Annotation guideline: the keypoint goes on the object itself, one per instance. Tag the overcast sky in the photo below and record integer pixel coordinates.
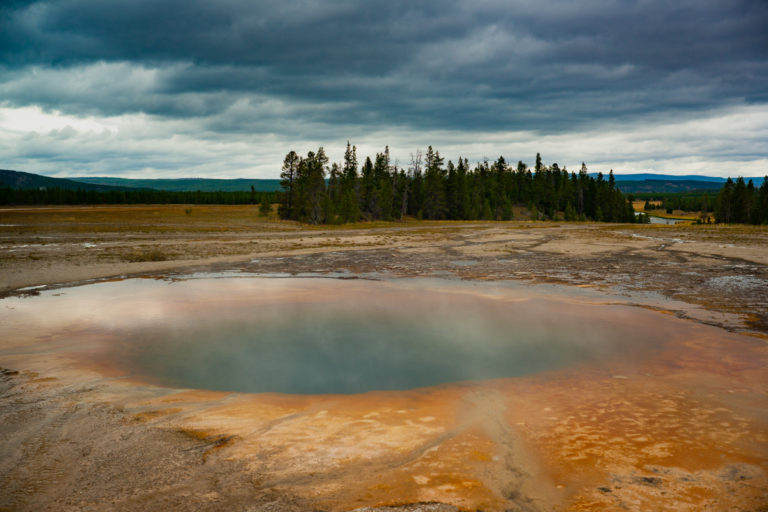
(181, 88)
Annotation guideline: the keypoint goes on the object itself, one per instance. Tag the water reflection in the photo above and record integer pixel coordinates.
(616, 397)
(316, 336)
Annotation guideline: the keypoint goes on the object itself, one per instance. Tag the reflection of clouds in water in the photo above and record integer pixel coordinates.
(327, 335)
(320, 335)
(135, 302)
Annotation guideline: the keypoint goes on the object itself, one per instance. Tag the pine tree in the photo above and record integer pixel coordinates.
(463, 193)
(334, 183)
(452, 192)
(724, 203)
(762, 202)
(582, 188)
(383, 184)
(368, 196)
(400, 200)
(498, 181)
(288, 178)
(265, 207)
(316, 193)
(741, 201)
(349, 210)
(416, 197)
(434, 190)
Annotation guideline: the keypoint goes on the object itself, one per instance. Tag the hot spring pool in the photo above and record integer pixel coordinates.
(351, 393)
(331, 336)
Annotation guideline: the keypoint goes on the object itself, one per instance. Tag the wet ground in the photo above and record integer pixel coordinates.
(722, 269)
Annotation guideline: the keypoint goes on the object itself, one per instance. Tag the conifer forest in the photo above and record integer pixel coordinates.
(430, 188)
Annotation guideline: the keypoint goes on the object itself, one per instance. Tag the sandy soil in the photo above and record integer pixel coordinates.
(140, 447)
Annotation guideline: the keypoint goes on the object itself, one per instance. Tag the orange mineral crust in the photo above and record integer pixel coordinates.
(676, 421)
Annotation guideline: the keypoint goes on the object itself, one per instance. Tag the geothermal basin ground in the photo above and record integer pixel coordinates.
(203, 358)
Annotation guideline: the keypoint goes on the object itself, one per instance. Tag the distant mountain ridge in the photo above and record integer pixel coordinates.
(628, 183)
(28, 180)
(667, 186)
(661, 177)
(187, 184)
(649, 183)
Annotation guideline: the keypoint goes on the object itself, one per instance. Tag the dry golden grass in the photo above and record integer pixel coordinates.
(639, 206)
(676, 214)
(141, 218)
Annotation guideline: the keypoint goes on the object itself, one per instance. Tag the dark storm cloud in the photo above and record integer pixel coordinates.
(473, 65)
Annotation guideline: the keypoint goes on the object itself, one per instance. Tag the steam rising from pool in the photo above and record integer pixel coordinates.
(317, 336)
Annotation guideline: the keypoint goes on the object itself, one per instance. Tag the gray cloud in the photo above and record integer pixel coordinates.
(474, 64)
(307, 70)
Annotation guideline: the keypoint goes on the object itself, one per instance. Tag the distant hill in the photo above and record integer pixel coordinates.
(667, 183)
(667, 186)
(27, 180)
(187, 184)
(628, 183)
(662, 177)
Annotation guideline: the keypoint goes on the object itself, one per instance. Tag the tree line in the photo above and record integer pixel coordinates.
(743, 203)
(691, 201)
(40, 196)
(315, 192)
